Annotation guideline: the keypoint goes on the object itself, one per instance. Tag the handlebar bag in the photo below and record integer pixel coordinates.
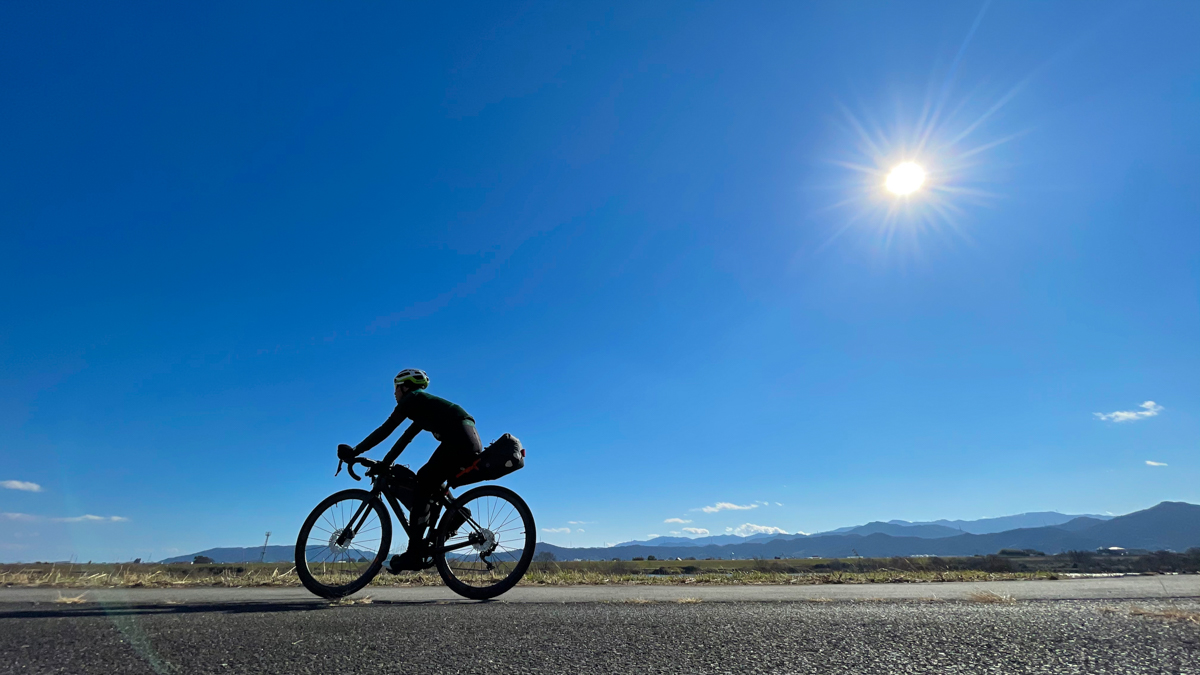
(500, 458)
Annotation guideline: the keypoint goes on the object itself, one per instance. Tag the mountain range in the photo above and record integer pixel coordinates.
(1169, 525)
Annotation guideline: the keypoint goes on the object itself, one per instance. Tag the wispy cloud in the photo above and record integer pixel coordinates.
(778, 504)
(1150, 463)
(747, 529)
(581, 522)
(726, 506)
(557, 530)
(579, 529)
(18, 516)
(698, 531)
(680, 521)
(87, 518)
(652, 536)
(20, 485)
(1148, 409)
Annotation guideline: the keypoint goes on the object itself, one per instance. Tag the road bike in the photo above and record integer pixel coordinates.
(482, 545)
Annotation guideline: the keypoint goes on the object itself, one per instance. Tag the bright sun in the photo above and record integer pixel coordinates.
(905, 179)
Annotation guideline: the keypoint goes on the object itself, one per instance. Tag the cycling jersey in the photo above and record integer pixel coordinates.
(427, 412)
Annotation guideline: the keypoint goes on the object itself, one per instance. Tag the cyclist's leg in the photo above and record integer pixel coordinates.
(446, 462)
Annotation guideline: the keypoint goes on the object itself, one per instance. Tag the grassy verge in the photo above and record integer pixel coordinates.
(541, 574)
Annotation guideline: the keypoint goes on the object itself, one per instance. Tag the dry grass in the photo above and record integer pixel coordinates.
(1171, 614)
(990, 597)
(69, 600)
(689, 601)
(284, 575)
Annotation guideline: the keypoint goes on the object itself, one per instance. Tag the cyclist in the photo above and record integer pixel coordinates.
(460, 447)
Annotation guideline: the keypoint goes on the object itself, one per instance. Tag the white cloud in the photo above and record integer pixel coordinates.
(726, 506)
(18, 516)
(747, 529)
(698, 531)
(20, 485)
(674, 532)
(580, 522)
(579, 530)
(1148, 409)
(651, 536)
(557, 530)
(1149, 463)
(729, 529)
(778, 504)
(87, 518)
(681, 521)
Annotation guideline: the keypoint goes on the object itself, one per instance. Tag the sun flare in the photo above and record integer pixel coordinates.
(905, 179)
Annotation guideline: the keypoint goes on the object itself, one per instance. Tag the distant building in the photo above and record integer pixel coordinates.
(1117, 550)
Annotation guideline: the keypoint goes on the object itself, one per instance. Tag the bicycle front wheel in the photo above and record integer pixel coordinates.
(489, 552)
(343, 543)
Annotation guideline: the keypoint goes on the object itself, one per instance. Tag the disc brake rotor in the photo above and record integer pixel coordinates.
(483, 541)
(343, 547)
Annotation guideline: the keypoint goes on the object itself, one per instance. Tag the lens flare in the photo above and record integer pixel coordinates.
(905, 179)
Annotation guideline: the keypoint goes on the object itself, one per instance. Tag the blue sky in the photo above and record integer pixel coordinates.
(651, 241)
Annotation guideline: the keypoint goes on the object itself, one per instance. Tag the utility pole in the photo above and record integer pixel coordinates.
(263, 557)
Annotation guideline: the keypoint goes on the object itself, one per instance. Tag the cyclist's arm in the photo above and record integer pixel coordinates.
(375, 437)
(401, 443)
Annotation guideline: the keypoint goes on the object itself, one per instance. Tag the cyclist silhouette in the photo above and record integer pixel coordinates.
(460, 447)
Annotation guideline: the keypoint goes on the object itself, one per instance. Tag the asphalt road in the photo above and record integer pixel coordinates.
(280, 634)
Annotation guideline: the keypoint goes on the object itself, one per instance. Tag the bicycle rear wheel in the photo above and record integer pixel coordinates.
(335, 557)
(492, 550)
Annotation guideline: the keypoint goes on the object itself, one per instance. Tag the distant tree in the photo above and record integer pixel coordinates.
(638, 557)
(544, 556)
(202, 560)
(137, 561)
(650, 557)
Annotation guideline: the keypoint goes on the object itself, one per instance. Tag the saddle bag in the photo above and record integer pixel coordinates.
(500, 458)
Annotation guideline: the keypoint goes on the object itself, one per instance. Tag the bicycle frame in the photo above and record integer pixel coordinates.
(378, 489)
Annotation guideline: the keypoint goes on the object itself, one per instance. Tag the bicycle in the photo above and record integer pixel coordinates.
(334, 558)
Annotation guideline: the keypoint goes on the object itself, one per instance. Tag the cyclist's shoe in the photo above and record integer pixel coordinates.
(456, 519)
(415, 559)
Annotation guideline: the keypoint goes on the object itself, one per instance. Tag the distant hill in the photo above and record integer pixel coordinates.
(720, 540)
(1079, 524)
(980, 526)
(1169, 525)
(1005, 523)
(910, 530)
(237, 555)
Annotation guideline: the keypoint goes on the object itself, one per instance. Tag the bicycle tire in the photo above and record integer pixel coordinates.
(519, 567)
(303, 545)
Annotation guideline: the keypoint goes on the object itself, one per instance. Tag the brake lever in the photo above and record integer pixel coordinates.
(339, 470)
(350, 468)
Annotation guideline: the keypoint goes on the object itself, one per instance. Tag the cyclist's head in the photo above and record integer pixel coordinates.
(410, 379)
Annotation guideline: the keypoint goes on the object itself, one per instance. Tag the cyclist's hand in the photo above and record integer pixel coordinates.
(346, 452)
(376, 470)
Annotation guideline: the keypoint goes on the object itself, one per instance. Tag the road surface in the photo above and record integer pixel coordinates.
(1081, 626)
